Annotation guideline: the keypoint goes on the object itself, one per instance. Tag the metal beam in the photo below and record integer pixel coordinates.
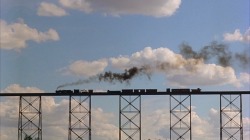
(79, 118)
(120, 93)
(231, 126)
(180, 117)
(130, 117)
(30, 118)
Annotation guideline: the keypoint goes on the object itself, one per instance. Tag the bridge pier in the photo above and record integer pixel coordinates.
(30, 117)
(180, 117)
(79, 117)
(231, 126)
(130, 117)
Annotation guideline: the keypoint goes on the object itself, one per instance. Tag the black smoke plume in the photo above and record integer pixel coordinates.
(112, 77)
(129, 74)
(214, 51)
(79, 82)
(218, 52)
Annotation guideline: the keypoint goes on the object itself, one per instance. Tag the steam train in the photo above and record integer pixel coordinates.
(131, 91)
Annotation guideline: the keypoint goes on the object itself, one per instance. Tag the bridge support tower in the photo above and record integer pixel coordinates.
(79, 117)
(180, 117)
(130, 117)
(30, 118)
(231, 126)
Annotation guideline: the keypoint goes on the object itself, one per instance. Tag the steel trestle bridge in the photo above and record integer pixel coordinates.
(30, 113)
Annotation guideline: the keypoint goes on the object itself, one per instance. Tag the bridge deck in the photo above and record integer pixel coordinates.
(113, 93)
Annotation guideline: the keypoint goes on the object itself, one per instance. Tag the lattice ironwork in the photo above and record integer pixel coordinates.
(79, 118)
(30, 118)
(180, 117)
(231, 126)
(130, 117)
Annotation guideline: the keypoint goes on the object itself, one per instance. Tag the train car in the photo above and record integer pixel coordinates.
(168, 90)
(76, 91)
(198, 90)
(64, 91)
(127, 91)
(183, 90)
(151, 91)
(80, 91)
(139, 90)
(83, 91)
(113, 92)
(91, 91)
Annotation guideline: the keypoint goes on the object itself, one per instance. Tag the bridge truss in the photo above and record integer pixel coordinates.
(30, 118)
(30, 114)
(79, 118)
(231, 126)
(180, 117)
(130, 117)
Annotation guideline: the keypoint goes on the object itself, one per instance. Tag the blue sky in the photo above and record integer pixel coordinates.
(48, 43)
(93, 36)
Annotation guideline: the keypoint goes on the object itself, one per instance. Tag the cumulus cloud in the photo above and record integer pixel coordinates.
(177, 69)
(244, 78)
(50, 9)
(208, 132)
(15, 35)
(156, 8)
(16, 88)
(156, 124)
(238, 36)
(246, 127)
(82, 5)
(86, 68)
(103, 126)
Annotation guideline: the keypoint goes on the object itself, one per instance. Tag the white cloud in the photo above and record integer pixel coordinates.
(238, 36)
(246, 127)
(16, 88)
(156, 124)
(86, 68)
(178, 70)
(103, 125)
(50, 9)
(156, 8)
(15, 35)
(206, 74)
(244, 78)
(82, 5)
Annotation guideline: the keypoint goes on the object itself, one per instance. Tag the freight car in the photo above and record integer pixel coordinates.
(64, 91)
(75, 91)
(187, 90)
